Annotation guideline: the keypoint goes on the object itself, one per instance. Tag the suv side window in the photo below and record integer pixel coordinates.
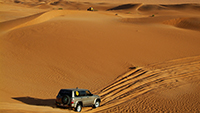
(65, 92)
(88, 93)
(82, 93)
(79, 93)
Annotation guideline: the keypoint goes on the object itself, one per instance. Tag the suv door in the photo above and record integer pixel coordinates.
(84, 98)
(90, 97)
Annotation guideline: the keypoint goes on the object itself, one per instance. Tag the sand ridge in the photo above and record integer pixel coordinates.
(125, 8)
(139, 81)
(187, 23)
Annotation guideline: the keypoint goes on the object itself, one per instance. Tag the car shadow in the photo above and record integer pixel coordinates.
(43, 102)
(36, 101)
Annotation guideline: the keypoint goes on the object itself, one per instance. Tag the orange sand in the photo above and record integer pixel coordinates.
(141, 56)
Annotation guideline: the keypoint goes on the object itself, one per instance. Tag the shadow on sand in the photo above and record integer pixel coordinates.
(36, 101)
(124, 6)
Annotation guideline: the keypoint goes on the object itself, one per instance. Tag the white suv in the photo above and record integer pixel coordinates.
(77, 98)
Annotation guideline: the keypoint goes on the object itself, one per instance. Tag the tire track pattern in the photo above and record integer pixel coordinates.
(142, 80)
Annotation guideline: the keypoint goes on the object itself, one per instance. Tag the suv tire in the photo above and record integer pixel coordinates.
(78, 108)
(97, 104)
(66, 99)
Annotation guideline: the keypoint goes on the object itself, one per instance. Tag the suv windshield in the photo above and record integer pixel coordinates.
(65, 92)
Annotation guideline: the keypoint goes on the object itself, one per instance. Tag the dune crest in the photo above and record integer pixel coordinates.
(35, 19)
(8, 25)
(42, 18)
(125, 6)
(186, 23)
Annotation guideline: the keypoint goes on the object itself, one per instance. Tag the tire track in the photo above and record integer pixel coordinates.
(139, 81)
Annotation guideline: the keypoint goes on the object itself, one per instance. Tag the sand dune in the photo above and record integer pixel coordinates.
(187, 23)
(8, 25)
(125, 6)
(138, 56)
(183, 7)
(140, 81)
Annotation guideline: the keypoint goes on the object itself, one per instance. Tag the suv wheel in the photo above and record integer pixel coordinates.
(97, 104)
(78, 108)
(66, 99)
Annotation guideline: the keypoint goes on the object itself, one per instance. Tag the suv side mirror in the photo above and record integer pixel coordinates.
(90, 94)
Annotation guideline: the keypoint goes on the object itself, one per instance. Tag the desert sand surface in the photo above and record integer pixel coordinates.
(138, 55)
